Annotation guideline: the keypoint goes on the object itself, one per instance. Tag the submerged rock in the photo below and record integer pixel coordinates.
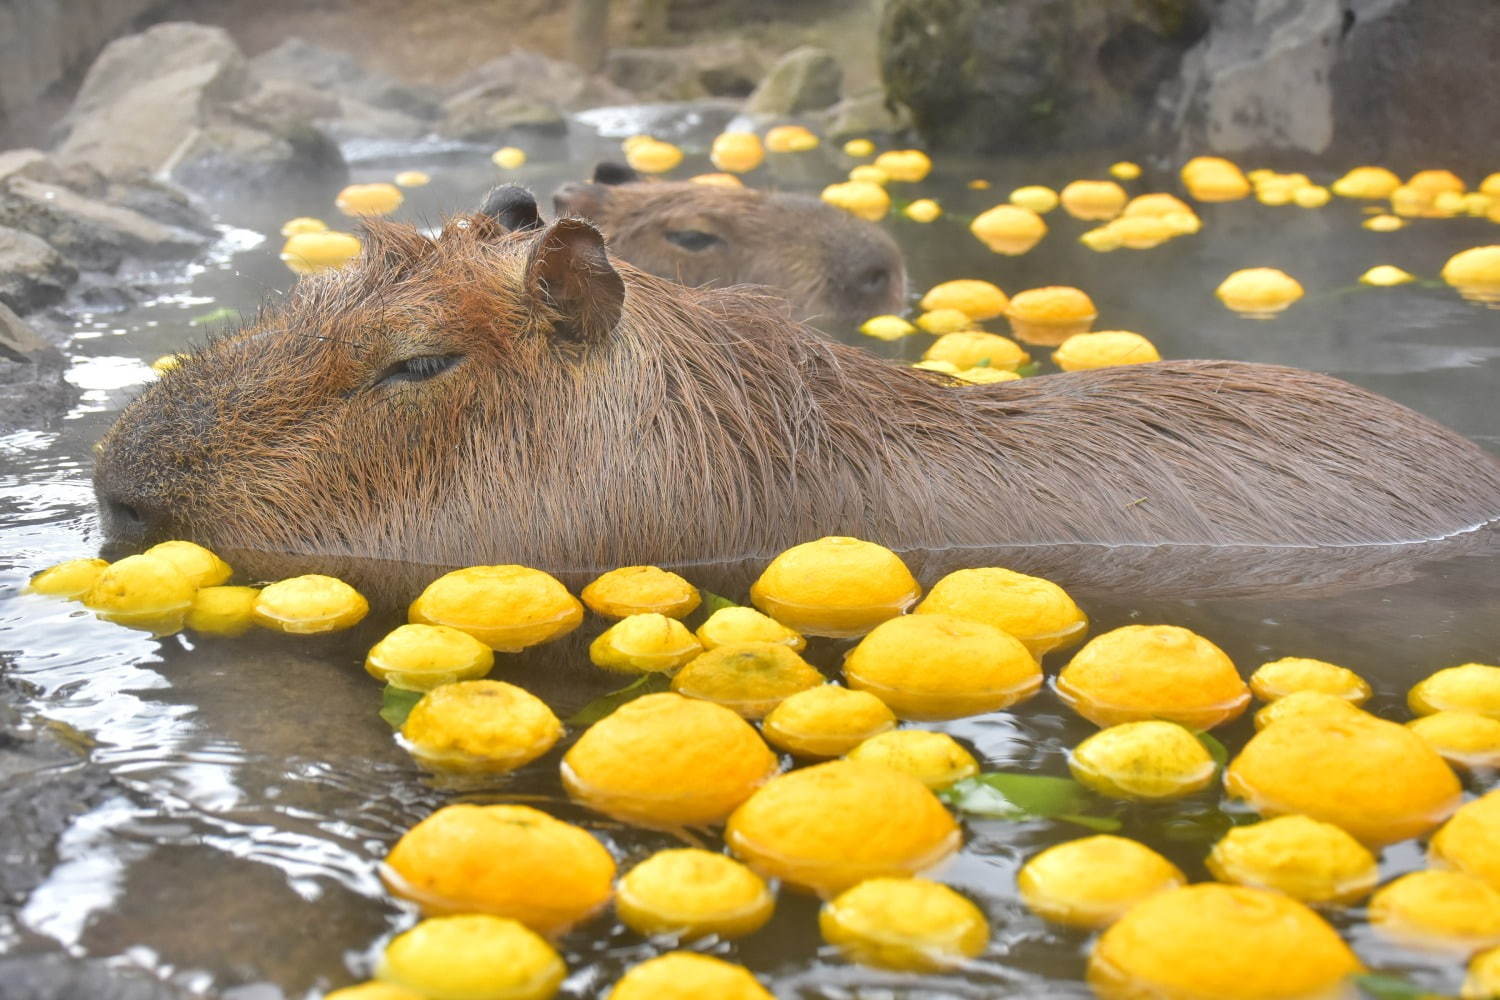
(92, 233)
(806, 79)
(32, 273)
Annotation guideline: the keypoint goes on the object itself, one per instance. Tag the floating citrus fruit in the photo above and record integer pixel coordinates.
(1009, 229)
(908, 924)
(303, 224)
(1104, 349)
(1291, 674)
(1141, 672)
(479, 727)
(1470, 841)
(1050, 315)
(908, 165)
(1152, 759)
(790, 139)
(1475, 272)
(835, 586)
(750, 678)
(1265, 946)
(686, 975)
(923, 210)
(511, 157)
(859, 147)
(473, 956)
(644, 644)
(637, 590)
(826, 721)
(1483, 980)
(1035, 197)
(975, 348)
(310, 605)
(412, 178)
(887, 328)
(374, 990)
(1366, 182)
(506, 860)
(505, 607)
(737, 152)
(1463, 739)
(198, 564)
(1305, 704)
(223, 611)
(309, 253)
(1212, 178)
(1385, 276)
(73, 578)
(737, 624)
(1472, 687)
(1307, 859)
(421, 657)
(974, 298)
(936, 666)
(1438, 910)
(692, 893)
(1376, 779)
(664, 760)
(827, 827)
(1259, 291)
(1090, 882)
(369, 199)
(143, 592)
(1036, 611)
(861, 198)
(1124, 170)
(937, 760)
(1093, 199)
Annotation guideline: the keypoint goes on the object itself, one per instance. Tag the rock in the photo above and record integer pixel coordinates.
(162, 201)
(339, 75)
(521, 90)
(177, 99)
(18, 342)
(864, 114)
(1395, 103)
(36, 165)
(282, 105)
(805, 79)
(32, 274)
(358, 120)
(1259, 80)
(688, 72)
(91, 233)
(985, 76)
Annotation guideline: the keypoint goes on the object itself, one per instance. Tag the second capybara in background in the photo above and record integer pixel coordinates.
(836, 270)
(511, 394)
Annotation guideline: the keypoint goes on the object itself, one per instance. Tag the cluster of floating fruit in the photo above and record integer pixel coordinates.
(497, 883)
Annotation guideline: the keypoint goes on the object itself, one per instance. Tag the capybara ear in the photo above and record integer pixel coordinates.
(610, 172)
(513, 207)
(584, 200)
(569, 272)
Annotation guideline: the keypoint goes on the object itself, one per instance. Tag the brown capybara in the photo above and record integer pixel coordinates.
(520, 397)
(836, 270)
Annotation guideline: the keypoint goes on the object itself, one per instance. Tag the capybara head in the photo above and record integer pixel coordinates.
(510, 393)
(836, 270)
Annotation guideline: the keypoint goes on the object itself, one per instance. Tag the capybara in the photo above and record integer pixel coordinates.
(494, 396)
(836, 270)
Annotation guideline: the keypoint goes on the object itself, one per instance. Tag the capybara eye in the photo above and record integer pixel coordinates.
(692, 239)
(874, 280)
(418, 369)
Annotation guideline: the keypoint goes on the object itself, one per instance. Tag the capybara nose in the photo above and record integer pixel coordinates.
(122, 522)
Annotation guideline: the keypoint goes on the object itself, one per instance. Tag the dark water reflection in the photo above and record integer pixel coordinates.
(255, 789)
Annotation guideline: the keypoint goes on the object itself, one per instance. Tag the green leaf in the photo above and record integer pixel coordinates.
(223, 314)
(601, 706)
(1384, 986)
(1029, 369)
(1218, 751)
(1099, 824)
(396, 704)
(713, 602)
(1018, 796)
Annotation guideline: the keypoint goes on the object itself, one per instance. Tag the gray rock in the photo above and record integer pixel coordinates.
(228, 160)
(357, 120)
(338, 74)
(93, 234)
(32, 274)
(521, 90)
(986, 76)
(805, 79)
(688, 72)
(864, 114)
(281, 105)
(36, 165)
(1260, 80)
(162, 201)
(19, 342)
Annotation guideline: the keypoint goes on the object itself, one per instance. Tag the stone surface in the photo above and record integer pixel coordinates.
(32, 274)
(805, 79)
(991, 76)
(92, 234)
(339, 75)
(688, 72)
(862, 115)
(521, 90)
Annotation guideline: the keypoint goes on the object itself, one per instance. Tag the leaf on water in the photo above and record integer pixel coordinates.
(999, 795)
(1029, 369)
(223, 314)
(396, 704)
(1384, 986)
(1218, 751)
(652, 683)
(713, 602)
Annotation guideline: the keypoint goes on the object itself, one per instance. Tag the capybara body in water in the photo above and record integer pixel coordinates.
(836, 270)
(494, 397)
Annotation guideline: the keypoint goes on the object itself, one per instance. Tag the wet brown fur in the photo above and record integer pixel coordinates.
(708, 426)
(822, 259)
